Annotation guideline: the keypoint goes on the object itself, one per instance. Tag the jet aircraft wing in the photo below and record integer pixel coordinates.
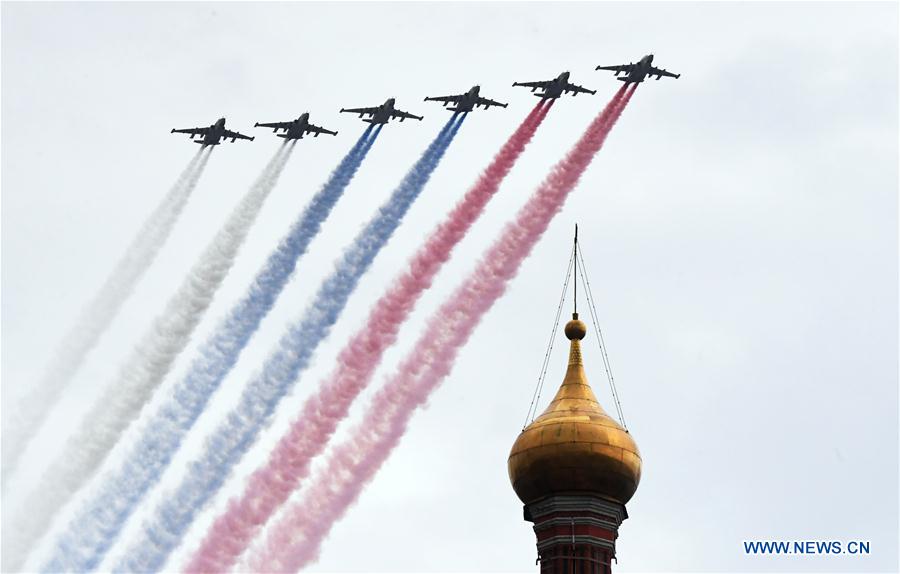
(486, 102)
(452, 99)
(617, 69)
(318, 130)
(369, 111)
(235, 135)
(534, 85)
(404, 115)
(192, 131)
(575, 89)
(659, 73)
(275, 126)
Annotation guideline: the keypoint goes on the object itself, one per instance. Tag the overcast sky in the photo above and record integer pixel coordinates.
(740, 230)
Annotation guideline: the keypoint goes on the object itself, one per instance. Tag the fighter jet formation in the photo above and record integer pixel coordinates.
(213, 134)
(457, 103)
(296, 129)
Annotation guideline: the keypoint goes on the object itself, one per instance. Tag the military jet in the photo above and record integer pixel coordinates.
(465, 102)
(636, 73)
(382, 114)
(556, 87)
(213, 134)
(296, 129)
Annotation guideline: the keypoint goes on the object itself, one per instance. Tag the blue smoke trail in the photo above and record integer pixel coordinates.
(88, 536)
(228, 443)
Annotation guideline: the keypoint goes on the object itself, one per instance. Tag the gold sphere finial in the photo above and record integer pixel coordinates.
(576, 329)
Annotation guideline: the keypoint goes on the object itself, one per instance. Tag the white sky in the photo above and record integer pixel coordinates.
(740, 229)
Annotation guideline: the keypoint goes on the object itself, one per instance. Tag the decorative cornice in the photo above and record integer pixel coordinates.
(579, 503)
(542, 525)
(580, 540)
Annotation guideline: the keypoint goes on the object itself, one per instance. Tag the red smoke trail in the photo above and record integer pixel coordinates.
(294, 540)
(270, 486)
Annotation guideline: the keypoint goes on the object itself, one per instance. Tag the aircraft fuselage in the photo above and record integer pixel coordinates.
(383, 114)
(640, 71)
(297, 127)
(556, 88)
(467, 104)
(215, 133)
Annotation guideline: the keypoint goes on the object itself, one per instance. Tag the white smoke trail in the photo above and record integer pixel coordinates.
(121, 401)
(21, 423)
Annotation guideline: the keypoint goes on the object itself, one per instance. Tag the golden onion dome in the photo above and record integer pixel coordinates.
(574, 446)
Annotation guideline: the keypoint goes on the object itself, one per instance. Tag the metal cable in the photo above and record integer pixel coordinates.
(606, 364)
(536, 396)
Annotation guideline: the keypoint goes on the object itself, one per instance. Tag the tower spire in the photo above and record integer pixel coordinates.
(575, 291)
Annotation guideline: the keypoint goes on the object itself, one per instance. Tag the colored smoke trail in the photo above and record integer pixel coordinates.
(121, 401)
(270, 486)
(230, 441)
(294, 540)
(91, 533)
(22, 422)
